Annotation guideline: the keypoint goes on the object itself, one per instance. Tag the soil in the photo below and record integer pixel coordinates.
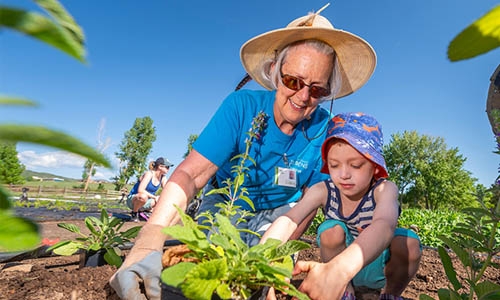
(59, 277)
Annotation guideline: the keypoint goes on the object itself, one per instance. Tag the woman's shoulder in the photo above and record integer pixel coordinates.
(251, 97)
(148, 173)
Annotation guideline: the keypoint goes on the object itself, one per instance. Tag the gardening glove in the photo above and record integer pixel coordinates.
(143, 262)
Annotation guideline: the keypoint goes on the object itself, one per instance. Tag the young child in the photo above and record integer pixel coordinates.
(359, 242)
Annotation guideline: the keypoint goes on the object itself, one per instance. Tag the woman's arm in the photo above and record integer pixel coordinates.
(187, 179)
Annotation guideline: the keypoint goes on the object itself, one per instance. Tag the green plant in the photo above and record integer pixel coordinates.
(431, 223)
(104, 235)
(223, 263)
(474, 242)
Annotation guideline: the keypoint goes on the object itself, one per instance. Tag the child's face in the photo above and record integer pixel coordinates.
(351, 172)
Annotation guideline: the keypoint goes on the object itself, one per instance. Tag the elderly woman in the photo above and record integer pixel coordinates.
(301, 65)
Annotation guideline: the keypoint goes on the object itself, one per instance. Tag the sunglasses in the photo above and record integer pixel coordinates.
(296, 84)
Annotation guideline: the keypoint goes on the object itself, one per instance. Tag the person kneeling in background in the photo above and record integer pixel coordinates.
(143, 194)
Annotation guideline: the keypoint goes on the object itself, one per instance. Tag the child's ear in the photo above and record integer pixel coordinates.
(377, 170)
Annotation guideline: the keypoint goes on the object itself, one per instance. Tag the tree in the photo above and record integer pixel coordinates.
(10, 167)
(427, 173)
(191, 139)
(89, 168)
(134, 150)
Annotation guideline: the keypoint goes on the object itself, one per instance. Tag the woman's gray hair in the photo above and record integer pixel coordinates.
(274, 76)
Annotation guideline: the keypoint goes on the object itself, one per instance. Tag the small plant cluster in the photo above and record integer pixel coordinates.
(219, 261)
(104, 234)
(474, 242)
(431, 224)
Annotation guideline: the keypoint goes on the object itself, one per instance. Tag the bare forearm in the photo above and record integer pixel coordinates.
(189, 177)
(281, 229)
(175, 194)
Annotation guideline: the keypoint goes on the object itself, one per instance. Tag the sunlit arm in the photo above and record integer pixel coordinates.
(375, 238)
(187, 179)
(284, 226)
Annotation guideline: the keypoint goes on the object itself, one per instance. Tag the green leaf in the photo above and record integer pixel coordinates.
(112, 258)
(459, 251)
(224, 291)
(248, 201)
(52, 138)
(90, 222)
(104, 217)
(289, 248)
(444, 294)
(114, 222)
(9, 100)
(66, 248)
(188, 233)
(467, 232)
(448, 268)
(131, 232)
(175, 274)
(17, 233)
(225, 227)
(43, 29)
(4, 199)
(63, 18)
(487, 290)
(480, 37)
(204, 278)
(69, 227)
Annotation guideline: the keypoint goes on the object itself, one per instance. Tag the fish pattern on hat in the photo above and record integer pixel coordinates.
(361, 131)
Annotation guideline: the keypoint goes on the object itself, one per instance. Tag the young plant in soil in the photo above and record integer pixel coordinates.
(217, 260)
(105, 236)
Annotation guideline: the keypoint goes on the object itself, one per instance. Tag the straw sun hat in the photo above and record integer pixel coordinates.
(356, 57)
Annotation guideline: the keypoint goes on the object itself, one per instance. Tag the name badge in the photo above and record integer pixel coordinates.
(285, 177)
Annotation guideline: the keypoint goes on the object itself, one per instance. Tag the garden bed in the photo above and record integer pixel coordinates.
(60, 278)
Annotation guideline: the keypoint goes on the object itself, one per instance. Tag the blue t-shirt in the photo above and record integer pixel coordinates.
(225, 135)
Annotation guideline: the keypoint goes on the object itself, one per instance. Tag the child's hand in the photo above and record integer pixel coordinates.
(323, 281)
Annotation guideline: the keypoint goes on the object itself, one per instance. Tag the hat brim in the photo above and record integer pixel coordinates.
(357, 59)
(382, 172)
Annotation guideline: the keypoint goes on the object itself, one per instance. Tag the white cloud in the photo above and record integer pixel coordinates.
(63, 163)
(56, 159)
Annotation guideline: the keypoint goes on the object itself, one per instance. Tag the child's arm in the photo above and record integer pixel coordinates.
(332, 277)
(283, 227)
(374, 239)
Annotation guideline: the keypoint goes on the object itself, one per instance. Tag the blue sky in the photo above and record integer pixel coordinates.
(175, 61)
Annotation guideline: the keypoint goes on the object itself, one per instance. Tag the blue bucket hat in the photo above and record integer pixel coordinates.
(362, 132)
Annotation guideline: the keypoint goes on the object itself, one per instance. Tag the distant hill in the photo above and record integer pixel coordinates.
(28, 174)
